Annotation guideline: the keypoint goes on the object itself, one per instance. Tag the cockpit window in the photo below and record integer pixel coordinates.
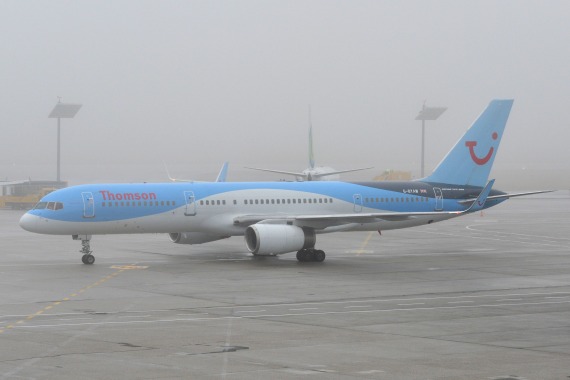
(40, 206)
(54, 206)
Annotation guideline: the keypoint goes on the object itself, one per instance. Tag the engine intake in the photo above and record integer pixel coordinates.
(275, 239)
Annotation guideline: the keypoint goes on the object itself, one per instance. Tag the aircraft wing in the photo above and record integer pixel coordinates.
(339, 172)
(331, 220)
(298, 174)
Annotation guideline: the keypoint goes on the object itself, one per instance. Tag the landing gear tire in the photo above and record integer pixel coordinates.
(319, 256)
(310, 254)
(88, 259)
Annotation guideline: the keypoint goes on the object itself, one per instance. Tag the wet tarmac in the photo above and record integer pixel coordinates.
(478, 297)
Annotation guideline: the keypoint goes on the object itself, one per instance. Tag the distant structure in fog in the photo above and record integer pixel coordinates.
(394, 175)
(62, 111)
(427, 113)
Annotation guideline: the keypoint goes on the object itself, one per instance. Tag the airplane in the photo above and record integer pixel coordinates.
(281, 217)
(313, 172)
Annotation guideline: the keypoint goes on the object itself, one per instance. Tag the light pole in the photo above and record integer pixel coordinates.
(428, 113)
(62, 111)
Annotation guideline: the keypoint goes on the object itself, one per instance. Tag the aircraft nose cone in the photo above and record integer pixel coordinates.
(29, 222)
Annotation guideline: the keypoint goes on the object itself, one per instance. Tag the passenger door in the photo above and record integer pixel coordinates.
(357, 202)
(190, 200)
(438, 199)
(88, 204)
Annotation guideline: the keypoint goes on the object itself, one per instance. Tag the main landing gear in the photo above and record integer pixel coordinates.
(311, 254)
(87, 257)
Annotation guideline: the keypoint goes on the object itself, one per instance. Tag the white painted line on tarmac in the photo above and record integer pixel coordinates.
(290, 315)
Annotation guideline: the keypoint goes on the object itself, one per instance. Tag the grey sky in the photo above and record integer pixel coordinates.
(196, 83)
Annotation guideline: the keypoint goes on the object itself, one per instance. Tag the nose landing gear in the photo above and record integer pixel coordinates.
(87, 257)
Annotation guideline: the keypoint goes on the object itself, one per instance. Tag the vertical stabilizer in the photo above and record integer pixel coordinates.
(471, 159)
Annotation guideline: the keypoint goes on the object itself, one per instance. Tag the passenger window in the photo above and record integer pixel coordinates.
(103, 204)
(162, 203)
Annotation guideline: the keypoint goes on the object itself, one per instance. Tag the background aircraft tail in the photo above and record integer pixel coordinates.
(471, 159)
(311, 153)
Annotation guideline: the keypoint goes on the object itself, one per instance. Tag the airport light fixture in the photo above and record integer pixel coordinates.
(428, 113)
(62, 111)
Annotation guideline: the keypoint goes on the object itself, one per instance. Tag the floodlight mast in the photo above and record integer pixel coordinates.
(427, 113)
(62, 111)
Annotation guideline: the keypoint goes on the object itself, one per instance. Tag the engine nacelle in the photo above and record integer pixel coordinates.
(274, 239)
(193, 237)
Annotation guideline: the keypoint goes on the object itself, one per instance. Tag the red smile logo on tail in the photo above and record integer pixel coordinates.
(477, 160)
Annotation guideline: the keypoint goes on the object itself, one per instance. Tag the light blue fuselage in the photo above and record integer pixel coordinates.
(214, 207)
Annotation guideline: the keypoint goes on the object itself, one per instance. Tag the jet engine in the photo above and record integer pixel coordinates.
(275, 239)
(194, 237)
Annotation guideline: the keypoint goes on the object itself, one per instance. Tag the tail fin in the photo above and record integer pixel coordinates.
(471, 159)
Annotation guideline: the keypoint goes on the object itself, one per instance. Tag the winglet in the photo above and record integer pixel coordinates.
(167, 172)
(479, 203)
(223, 173)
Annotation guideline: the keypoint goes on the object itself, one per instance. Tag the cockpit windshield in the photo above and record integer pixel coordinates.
(48, 205)
(40, 206)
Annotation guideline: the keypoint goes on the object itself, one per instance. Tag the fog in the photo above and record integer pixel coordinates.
(197, 83)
